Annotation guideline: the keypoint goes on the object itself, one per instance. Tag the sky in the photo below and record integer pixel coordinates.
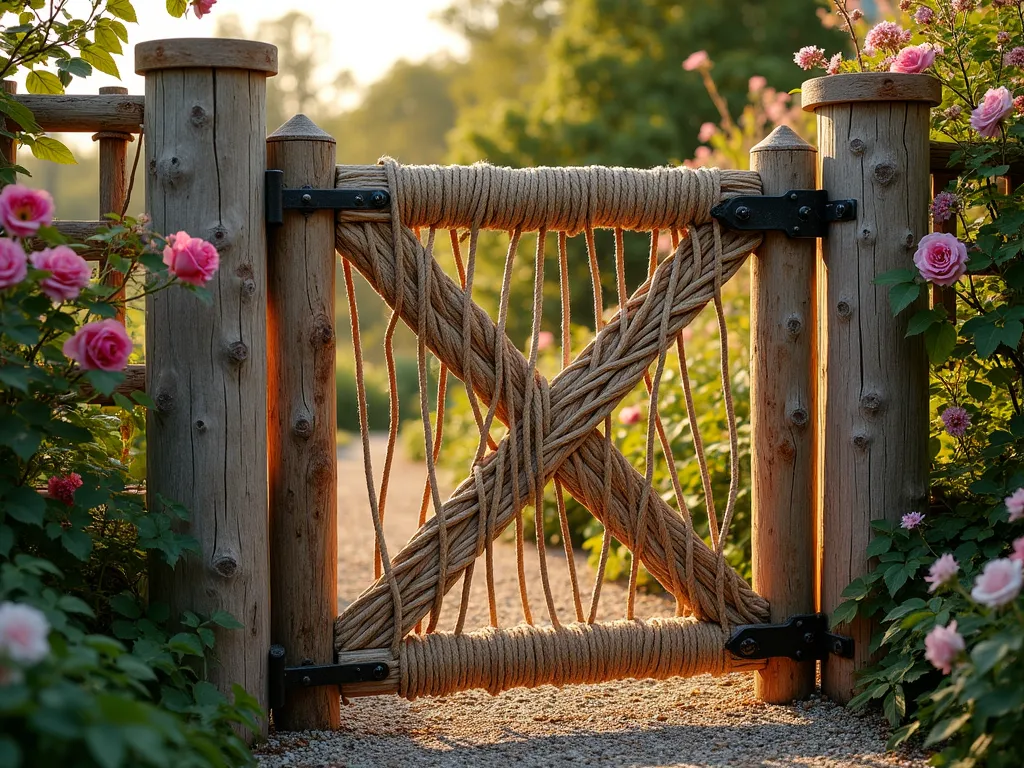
(367, 36)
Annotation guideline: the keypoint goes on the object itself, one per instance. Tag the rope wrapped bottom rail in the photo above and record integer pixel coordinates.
(527, 656)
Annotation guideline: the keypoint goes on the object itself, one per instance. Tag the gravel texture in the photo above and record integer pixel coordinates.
(703, 721)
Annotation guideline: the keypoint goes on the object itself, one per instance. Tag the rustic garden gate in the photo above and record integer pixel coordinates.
(245, 388)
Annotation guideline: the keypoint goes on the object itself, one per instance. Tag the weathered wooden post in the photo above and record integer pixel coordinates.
(872, 146)
(205, 119)
(113, 180)
(303, 423)
(783, 412)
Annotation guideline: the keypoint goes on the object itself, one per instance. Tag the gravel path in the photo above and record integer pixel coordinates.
(703, 721)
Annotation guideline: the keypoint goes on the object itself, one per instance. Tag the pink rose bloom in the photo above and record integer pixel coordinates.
(13, 262)
(956, 420)
(102, 345)
(996, 105)
(914, 59)
(1015, 504)
(941, 258)
(756, 84)
(23, 210)
(998, 584)
(809, 57)
(707, 130)
(202, 7)
(69, 272)
(942, 645)
(630, 414)
(911, 520)
(696, 61)
(190, 259)
(23, 633)
(942, 570)
(544, 340)
(1018, 550)
(62, 488)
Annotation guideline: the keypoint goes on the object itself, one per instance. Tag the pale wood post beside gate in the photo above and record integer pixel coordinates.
(872, 146)
(783, 412)
(205, 116)
(303, 424)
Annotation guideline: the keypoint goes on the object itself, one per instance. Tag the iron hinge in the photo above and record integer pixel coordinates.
(311, 675)
(308, 199)
(801, 638)
(798, 213)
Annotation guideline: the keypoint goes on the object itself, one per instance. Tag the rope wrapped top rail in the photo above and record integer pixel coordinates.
(568, 199)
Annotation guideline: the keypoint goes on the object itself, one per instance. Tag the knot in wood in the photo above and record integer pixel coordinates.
(200, 425)
(857, 146)
(225, 565)
(787, 451)
(164, 400)
(872, 404)
(884, 173)
(302, 426)
(861, 441)
(238, 351)
(909, 240)
(867, 235)
(794, 324)
(844, 310)
(323, 332)
(198, 116)
(798, 417)
(171, 170)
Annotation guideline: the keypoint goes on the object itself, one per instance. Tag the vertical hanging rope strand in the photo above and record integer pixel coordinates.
(650, 459)
(428, 447)
(606, 495)
(563, 518)
(533, 433)
(467, 324)
(364, 432)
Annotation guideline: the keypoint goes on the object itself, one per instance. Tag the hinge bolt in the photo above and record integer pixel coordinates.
(837, 647)
(743, 213)
(748, 647)
(804, 212)
(379, 672)
(840, 209)
(359, 200)
(306, 681)
(307, 199)
(808, 638)
(793, 196)
(378, 199)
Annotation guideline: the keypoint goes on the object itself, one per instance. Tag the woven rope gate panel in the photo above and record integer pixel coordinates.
(553, 426)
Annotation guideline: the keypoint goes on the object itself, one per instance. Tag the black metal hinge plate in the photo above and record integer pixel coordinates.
(802, 638)
(278, 199)
(798, 213)
(311, 675)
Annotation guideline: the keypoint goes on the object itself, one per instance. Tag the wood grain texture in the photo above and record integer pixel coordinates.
(874, 87)
(207, 364)
(113, 182)
(86, 113)
(783, 413)
(388, 685)
(302, 423)
(875, 403)
(205, 52)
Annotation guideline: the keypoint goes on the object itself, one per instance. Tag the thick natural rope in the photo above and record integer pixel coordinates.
(526, 657)
(578, 382)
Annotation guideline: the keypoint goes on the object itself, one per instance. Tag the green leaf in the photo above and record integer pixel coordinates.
(48, 148)
(75, 66)
(922, 321)
(986, 339)
(177, 8)
(72, 604)
(106, 745)
(879, 546)
(844, 612)
(186, 644)
(10, 752)
(895, 577)
(125, 604)
(225, 620)
(101, 59)
(979, 391)
(993, 170)
(940, 341)
(41, 81)
(19, 114)
(207, 695)
(77, 542)
(122, 9)
(104, 382)
(140, 397)
(25, 505)
(946, 728)
(902, 295)
(894, 276)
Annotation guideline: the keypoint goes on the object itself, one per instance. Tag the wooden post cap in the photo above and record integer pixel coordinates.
(301, 128)
(869, 86)
(205, 52)
(783, 138)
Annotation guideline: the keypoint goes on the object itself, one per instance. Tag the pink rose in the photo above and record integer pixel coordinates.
(24, 633)
(202, 7)
(1015, 504)
(942, 570)
(1018, 550)
(13, 262)
(630, 414)
(914, 59)
(941, 258)
(998, 584)
(996, 105)
(23, 210)
(62, 488)
(190, 259)
(942, 645)
(102, 345)
(696, 61)
(69, 272)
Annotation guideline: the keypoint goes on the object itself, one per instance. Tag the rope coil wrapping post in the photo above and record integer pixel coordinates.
(567, 411)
